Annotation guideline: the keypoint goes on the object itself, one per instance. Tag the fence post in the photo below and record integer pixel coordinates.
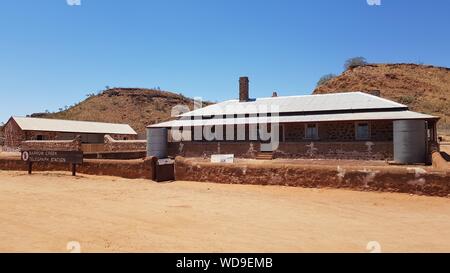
(74, 169)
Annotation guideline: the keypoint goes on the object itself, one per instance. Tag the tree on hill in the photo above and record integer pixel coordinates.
(355, 62)
(325, 78)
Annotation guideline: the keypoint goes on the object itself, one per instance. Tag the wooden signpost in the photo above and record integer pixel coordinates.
(65, 157)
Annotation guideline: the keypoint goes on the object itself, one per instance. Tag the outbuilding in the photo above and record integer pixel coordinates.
(19, 129)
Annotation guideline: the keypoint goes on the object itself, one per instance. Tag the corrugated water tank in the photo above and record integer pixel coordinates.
(410, 141)
(157, 142)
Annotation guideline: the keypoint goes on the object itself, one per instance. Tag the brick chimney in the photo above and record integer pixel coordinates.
(243, 89)
(274, 94)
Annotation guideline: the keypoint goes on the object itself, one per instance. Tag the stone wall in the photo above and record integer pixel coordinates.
(33, 135)
(206, 149)
(113, 145)
(51, 145)
(133, 169)
(294, 132)
(123, 137)
(116, 155)
(13, 134)
(382, 131)
(110, 145)
(414, 180)
(364, 150)
(339, 131)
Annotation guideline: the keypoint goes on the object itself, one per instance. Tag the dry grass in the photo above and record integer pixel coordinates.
(425, 89)
(134, 106)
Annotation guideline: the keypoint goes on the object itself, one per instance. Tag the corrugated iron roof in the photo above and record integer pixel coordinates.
(292, 104)
(364, 116)
(72, 126)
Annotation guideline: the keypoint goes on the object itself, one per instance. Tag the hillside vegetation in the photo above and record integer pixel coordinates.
(423, 88)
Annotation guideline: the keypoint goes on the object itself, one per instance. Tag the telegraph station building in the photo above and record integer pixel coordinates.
(353, 125)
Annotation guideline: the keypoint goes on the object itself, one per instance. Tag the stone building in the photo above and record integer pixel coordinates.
(19, 129)
(353, 125)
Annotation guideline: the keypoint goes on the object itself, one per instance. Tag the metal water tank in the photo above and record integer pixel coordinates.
(410, 141)
(157, 142)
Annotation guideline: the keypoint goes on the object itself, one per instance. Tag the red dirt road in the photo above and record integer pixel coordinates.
(43, 212)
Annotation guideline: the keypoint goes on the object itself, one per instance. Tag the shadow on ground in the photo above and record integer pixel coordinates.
(445, 156)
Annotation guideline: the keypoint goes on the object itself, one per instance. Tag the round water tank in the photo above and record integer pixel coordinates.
(410, 141)
(157, 142)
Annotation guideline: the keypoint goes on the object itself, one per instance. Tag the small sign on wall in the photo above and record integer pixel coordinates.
(165, 161)
(68, 157)
(222, 158)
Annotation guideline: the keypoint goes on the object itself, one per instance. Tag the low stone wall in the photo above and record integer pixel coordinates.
(116, 155)
(52, 145)
(113, 145)
(330, 150)
(206, 149)
(414, 180)
(9, 149)
(133, 169)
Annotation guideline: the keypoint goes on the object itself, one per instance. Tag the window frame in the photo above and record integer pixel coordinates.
(316, 136)
(369, 130)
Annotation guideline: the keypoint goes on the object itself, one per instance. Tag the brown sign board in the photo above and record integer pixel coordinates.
(164, 170)
(69, 157)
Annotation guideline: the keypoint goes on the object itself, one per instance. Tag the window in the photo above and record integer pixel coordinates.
(362, 130)
(311, 131)
(39, 137)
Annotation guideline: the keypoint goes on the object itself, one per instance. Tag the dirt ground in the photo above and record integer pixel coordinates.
(446, 148)
(43, 212)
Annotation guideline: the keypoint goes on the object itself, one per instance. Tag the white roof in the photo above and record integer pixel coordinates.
(364, 116)
(72, 126)
(295, 104)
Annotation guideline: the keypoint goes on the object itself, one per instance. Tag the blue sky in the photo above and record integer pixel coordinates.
(53, 54)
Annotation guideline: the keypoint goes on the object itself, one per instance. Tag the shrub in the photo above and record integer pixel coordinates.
(324, 79)
(355, 62)
(406, 99)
